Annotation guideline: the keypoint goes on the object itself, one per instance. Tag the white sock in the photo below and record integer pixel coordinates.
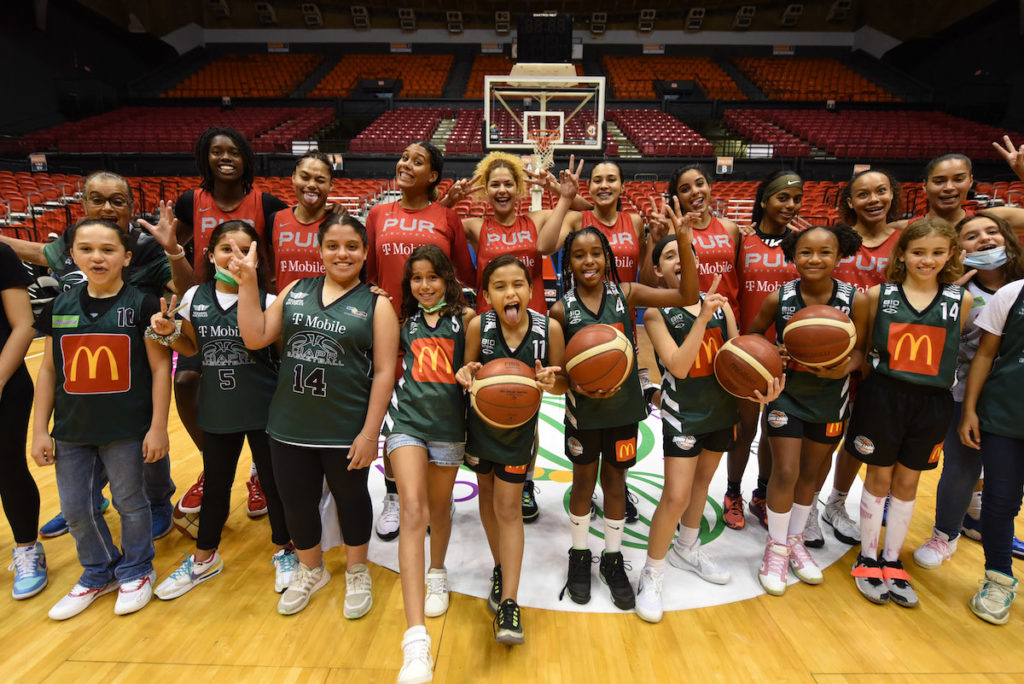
(974, 509)
(798, 518)
(417, 631)
(837, 498)
(613, 535)
(205, 562)
(579, 525)
(871, 508)
(778, 525)
(687, 536)
(252, 469)
(655, 563)
(896, 526)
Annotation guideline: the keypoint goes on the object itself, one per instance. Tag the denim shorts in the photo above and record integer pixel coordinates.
(438, 453)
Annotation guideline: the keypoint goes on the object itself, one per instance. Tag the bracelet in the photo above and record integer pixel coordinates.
(166, 340)
(174, 257)
(368, 439)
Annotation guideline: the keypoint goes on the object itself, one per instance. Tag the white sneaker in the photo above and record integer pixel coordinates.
(804, 567)
(935, 551)
(284, 562)
(77, 600)
(358, 591)
(417, 663)
(436, 602)
(845, 529)
(774, 567)
(305, 582)
(134, 595)
(648, 594)
(813, 537)
(188, 575)
(698, 561)
(387, 523)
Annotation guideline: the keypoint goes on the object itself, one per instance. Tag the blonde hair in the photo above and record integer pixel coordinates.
(501, 160)
(896, 271)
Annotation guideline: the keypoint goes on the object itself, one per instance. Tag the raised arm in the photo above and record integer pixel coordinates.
(258, 328)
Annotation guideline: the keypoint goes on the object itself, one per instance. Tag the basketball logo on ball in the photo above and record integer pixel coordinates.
(819, 336)
(505, 394)
(599, 358)
(747, 363)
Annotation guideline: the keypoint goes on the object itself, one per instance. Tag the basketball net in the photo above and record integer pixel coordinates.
(543, 153)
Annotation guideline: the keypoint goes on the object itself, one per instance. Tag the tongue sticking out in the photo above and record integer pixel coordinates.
(512, 313)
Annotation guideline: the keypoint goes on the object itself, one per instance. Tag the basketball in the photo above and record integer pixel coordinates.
(747, 363)
(504, 393)
(599, 358)
(819, 336)
(186, 523)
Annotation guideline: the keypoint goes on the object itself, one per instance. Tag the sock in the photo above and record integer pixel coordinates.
(687, 536)
(974, 509)
(837, 498)
(657, 564)
(814, 501)
(417, 631)
(896, 526)
(871, 508)
(579, 525)
(732, 488)
(762, 485)
(205, 562)
(252, 469)
(529, 474)
(613, 535)
(778, 525)
(390, 486)
(798, 519)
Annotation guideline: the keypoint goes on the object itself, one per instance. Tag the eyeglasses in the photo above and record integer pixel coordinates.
(116, 201)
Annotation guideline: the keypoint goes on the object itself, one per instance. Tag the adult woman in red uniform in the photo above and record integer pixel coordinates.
(294, 230)
(394, 230)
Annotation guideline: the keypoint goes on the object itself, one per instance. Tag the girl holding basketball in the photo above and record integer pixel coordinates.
(601, 427)
(234, 397)
(904, 406)
(501, 456)
(805, 423)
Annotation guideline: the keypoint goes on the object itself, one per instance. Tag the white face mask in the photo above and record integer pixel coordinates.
(986, 260)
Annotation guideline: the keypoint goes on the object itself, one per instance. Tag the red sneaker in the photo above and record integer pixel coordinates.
(257, 505)
(192, 502)
(759, 507)
(733, 512)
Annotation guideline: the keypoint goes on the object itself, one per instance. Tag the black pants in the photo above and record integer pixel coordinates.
(300, 473)
(17, 488)
(220, 460)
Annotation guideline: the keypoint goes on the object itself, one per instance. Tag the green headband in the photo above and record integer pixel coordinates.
(783, 182)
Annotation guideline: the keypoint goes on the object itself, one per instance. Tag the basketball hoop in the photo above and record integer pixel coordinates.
(543, 153)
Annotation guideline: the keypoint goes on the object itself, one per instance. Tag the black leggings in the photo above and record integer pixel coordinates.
(300, 473)
(220, 459)
(17, 488)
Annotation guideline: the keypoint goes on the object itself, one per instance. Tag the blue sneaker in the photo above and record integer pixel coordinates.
(971, 528)
(58, 525)
(29, 565)
(162, 523)
(1018, 548)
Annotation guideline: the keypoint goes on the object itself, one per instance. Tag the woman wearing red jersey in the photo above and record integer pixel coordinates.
(294, 230)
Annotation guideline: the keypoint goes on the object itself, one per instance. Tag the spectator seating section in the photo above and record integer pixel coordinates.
(421, 75)
(802, 79)
(392, 131)
(657, 134)
(491, 65)
(632, 77)
(756, 128)
(248, 76)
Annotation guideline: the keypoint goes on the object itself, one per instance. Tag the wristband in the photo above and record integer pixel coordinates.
(175, 257)
(166, 340)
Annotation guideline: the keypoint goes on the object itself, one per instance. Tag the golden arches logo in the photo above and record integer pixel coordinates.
(435, 353)
(704, 364)
(625, 450)
(93, 360)
(432, 360)
(96, 364)
(916, 342)
(915, 348)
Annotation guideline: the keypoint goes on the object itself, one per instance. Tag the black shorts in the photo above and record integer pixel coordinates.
(780, 424)
(189, 363)
(897, 422)
(617, 445)
(690, 446)
(508, 473)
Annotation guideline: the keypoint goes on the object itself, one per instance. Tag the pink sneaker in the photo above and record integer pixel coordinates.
(804, 567)
(772, 573)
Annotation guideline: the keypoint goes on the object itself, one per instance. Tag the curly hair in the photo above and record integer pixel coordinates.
(849, 216)
(202, 156)
(1013, 269)
(501, 160)
(442, 265)
(568, 279)
(846, 237)
(896, 271)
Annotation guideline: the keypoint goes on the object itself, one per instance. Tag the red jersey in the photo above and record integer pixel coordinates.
(206, 216)
(394, 232)
(296, 248)
(519, 240)
(623, 241)
(717, 253)
(867, 267)
(761, 270)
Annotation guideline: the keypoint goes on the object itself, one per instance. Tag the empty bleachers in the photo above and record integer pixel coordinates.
(421, 75)
(242, 76)
(632, 78)
(758, 129)
(806, 79)
(657, 134)
(392, 131)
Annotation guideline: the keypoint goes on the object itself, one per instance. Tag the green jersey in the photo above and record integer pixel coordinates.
(998, 411)
(625, 407)
(428, 402)
(323, 388)
(919, 347)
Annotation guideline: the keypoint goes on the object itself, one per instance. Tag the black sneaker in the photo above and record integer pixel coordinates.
(897, 581)
(530, 510)
(578, 582)
(508, 628)
(613, 573)
(494, 598)
(631, 501)
(867, 574)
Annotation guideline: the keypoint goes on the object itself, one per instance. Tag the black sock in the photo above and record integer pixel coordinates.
(762, 485)
(732, 488)
(390, 486)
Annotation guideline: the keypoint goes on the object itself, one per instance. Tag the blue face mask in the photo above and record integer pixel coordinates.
(986, 260)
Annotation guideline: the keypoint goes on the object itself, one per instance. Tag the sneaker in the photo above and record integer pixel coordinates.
(843, 527)
(58, 525)
(305, 582)
(508, 626)
(358, 591)
(436, 602)
(648, 594)
(387, 523)
(971, 527)
(188, 575)
(696, 560)
(812, 530)
(530, 510)
(285, 561)
(577, 581)
(192, 502)
(733, 512)
(256, 506)
(134, 595)
(935, 551)
(162, 522)
(897, 581)
(494, 598)
(631, 513)
(759, 507)
(774, 564)
(613, 573)
(804, 567)
(29, 566)
(77, 600)
(992, 602)
(1018, 548)
(867, 574)
(417, 663)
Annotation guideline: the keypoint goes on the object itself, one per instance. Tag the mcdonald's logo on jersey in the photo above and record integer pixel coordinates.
(834, 429)
(915, 348)
(704, 364)
(625, 450)
(432, 360)
(96, 364)
(936, 453)
(516, 469)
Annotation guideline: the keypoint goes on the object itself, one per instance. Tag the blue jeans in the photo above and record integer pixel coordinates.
(1004, 481)
(79, 469)
(156, 479)
(961, 468)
